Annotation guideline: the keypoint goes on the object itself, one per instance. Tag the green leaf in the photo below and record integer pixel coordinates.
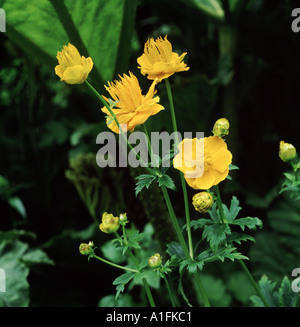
(121, 281)
(267, 289)
(166, 181)
(210, 7)
(200, 223)
(99, 24)
(175, 249)
(36, 256)
(288, 297)
(250, 222)
(216, 234)
(144, 180)
(233, 211)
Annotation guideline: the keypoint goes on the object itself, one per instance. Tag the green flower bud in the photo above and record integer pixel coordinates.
(123, 218)
(287, 151)
(155, 261)
(202, 201)
(110, 224)
(221, 127)
(85, 248)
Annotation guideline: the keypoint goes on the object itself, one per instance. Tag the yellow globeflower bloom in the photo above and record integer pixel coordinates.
(73, 68)
(110, 224)
(158, 60)
(287, 151)
(131, 107)
(204, 162)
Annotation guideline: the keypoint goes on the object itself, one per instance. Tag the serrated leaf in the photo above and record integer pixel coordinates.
(237, 237)
(234, 209)
(121, 281)
(216, 234)
(175, 249)
(200, 223)
(288, 297)
(144, 180)
(166, 181)
(250, 222)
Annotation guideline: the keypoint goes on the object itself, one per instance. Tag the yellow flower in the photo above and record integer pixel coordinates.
(221, 127)
(204, 162)
(155, 260)
(202, 201)
(158, 60)
(287, 151)
(110, 224)
(131, 108)
(73, 68)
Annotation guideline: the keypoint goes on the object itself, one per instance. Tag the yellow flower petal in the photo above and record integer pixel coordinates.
(72, 68)
(158, 61)
(131, 108)
(204, 162)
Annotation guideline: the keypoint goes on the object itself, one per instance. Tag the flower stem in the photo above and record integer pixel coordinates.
(175, 222)
(113, 264)
(201, 289)
(169, 291)
(220, 206)
(134, 259)
(253, 282)
(182, 180)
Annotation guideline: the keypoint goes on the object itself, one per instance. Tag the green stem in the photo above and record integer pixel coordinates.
(253, 282)
(182, 180)
(99, 97)
(113, 264)
(202, 290)
(220, 206)
(134, 259)
(169, 291)
(175, 222)
(148, 292)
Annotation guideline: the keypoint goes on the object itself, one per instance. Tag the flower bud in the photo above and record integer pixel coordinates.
(123, 217)
(221, 127)
(287, 151)
(202, 201)
(110, 224)
(155, 261)
(85, 248)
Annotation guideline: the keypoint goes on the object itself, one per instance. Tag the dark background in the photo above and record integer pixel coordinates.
(251, 78)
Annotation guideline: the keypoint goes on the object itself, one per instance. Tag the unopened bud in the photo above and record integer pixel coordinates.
(155, 261)
(110, 224)
(221, 127)
(123, 217)
(202, 201)
(86, 248)
(287, 151)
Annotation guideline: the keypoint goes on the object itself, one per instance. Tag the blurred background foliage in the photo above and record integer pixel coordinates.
(244, 66)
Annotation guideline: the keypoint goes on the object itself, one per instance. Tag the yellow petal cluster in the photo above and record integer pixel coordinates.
(287, 151)
(159, 61)
(202, 201)
(110, 224)
(204, 162)
(73, 68)
(131, 107)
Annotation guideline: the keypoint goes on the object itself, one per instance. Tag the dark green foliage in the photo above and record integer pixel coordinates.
(244, 65)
